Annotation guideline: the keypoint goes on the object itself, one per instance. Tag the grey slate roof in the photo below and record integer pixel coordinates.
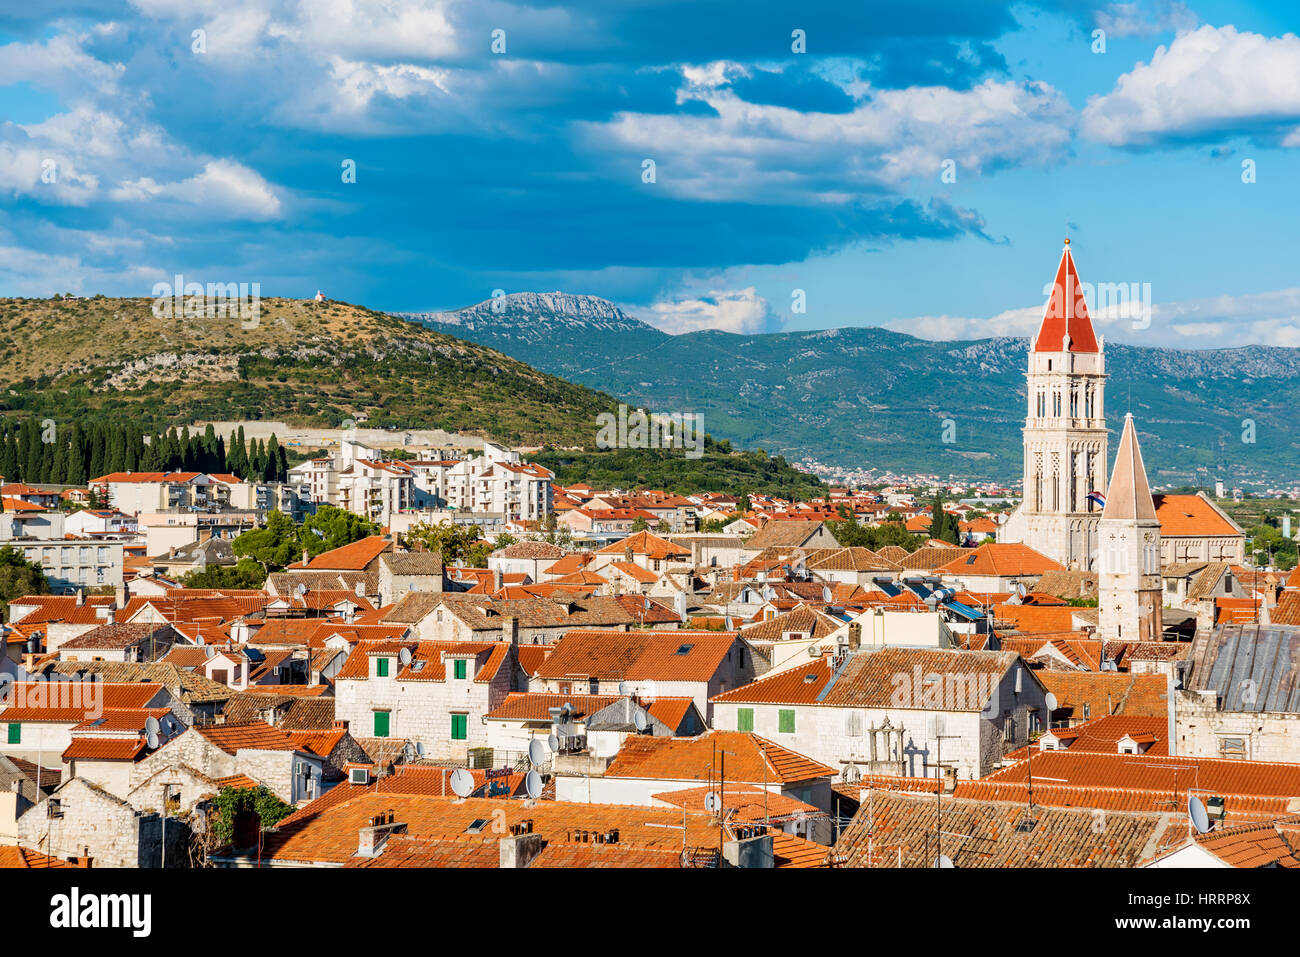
(1250, 667)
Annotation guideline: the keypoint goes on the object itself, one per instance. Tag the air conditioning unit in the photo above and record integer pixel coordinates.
(359, 776)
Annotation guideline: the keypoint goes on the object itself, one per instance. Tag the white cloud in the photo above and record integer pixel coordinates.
(1130, 20)
(740, 311)
(1214, 80)
(753, 150)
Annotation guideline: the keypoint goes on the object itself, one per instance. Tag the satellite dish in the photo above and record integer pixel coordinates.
(152, 739)
(404, 656)
(711, 801)
(1051, 701)
(419, 749)
(826, 594)
(408, 751)
(553, 742)
(1196, 811)
(533, 784)
(624, 688)
(639, 720)
(536, 752)
(302, 588)
(151, 724)
(943, 860)
(198, 640)
(462, 783)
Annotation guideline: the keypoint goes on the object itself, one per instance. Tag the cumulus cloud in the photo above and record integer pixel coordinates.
(739, 311)
(742, 149)
(1210, 82)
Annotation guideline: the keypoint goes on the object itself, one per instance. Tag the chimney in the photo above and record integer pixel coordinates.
(518, 850)
(81, 597)
(855, 635)
(305, 559)
(510, 629)
(1205, 616)
(371, 839)
(340, 725)
(121, 594)
(205, 533)
(696, 553)
(679, 605)
(496, 580)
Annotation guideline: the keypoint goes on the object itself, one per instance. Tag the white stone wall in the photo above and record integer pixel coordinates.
(1200, 727)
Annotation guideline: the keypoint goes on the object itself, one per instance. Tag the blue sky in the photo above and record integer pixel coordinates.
(134, 147)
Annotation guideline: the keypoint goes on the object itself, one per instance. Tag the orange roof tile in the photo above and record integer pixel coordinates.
(752, 759)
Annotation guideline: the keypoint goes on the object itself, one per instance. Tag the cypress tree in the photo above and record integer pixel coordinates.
(95, 440)
(76, 470)
(271, 468)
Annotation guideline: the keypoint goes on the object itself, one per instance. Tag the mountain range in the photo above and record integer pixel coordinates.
(865, 397)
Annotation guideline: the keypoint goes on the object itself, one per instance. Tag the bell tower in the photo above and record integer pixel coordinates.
(1129, 595)
(1065, 430)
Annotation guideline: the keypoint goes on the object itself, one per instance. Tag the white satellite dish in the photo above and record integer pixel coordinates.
(198, 640)
(302, 588)
(151, 724)
(553, 742)
(152, 739)
(624, 688)
(638, 719)
(826, 594)
(1196, 811)
(462, 783)
(536, 752)
(712, 801)
(404, 656)
(533, 785)
(419, 749)
(1051, 701)
(943, 860)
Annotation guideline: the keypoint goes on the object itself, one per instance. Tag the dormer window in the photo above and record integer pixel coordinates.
(381, 667)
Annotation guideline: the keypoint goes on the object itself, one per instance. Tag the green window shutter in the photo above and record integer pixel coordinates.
(381, 724)
(459, 727)
(786, 718)
(381, 667)
(460, 667)
(15, 734)
(744, 719)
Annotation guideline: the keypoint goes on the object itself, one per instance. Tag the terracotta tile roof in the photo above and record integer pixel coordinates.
(118, 635)
(744, 804)
(105, 749)
(870, 679)
(778, 533)
(1191, 515)
(325, 831)
(931, 557)
(638, 655)
(1103, 735)
(802, 684)
(534, 705)
(1000, 559)
(569, 564)
(1171, 775)
(1250, 845)
(789, 850)
(531, 657)
(1034, 619)
(1060, 837)
(850, 559)
(577, 854)
(23, 858)
(322, 742)
(532, 551)
(236, 781)
(1106, 693)
(752, 760)
(354, 557)
(801, 619)
(232, 738)
(1051, 794)
(648, 544)
(427, 659)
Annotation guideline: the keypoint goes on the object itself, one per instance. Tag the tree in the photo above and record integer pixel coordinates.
(274, 545)
(456, 543)
(19, 577)
(942, 525)
(639, 524)
(245, 573)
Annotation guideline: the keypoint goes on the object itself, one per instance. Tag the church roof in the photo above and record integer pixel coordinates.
(1067, 313)
(1129, 495)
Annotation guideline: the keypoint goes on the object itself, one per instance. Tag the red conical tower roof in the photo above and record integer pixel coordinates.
(1067, 313)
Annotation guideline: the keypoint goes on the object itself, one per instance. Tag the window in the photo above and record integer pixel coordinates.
(459, 727)
(381, 724)
(1232, 747)
(853, 724)
(381, 667)
(785, 721)
(593, 686)
(459, 668)
(15, 734)
(1087, 711)
(744, 719)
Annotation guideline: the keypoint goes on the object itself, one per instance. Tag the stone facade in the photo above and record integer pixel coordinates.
(1203, 731)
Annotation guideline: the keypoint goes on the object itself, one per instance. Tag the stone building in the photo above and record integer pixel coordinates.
(1130, 590)
(1065, 430)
